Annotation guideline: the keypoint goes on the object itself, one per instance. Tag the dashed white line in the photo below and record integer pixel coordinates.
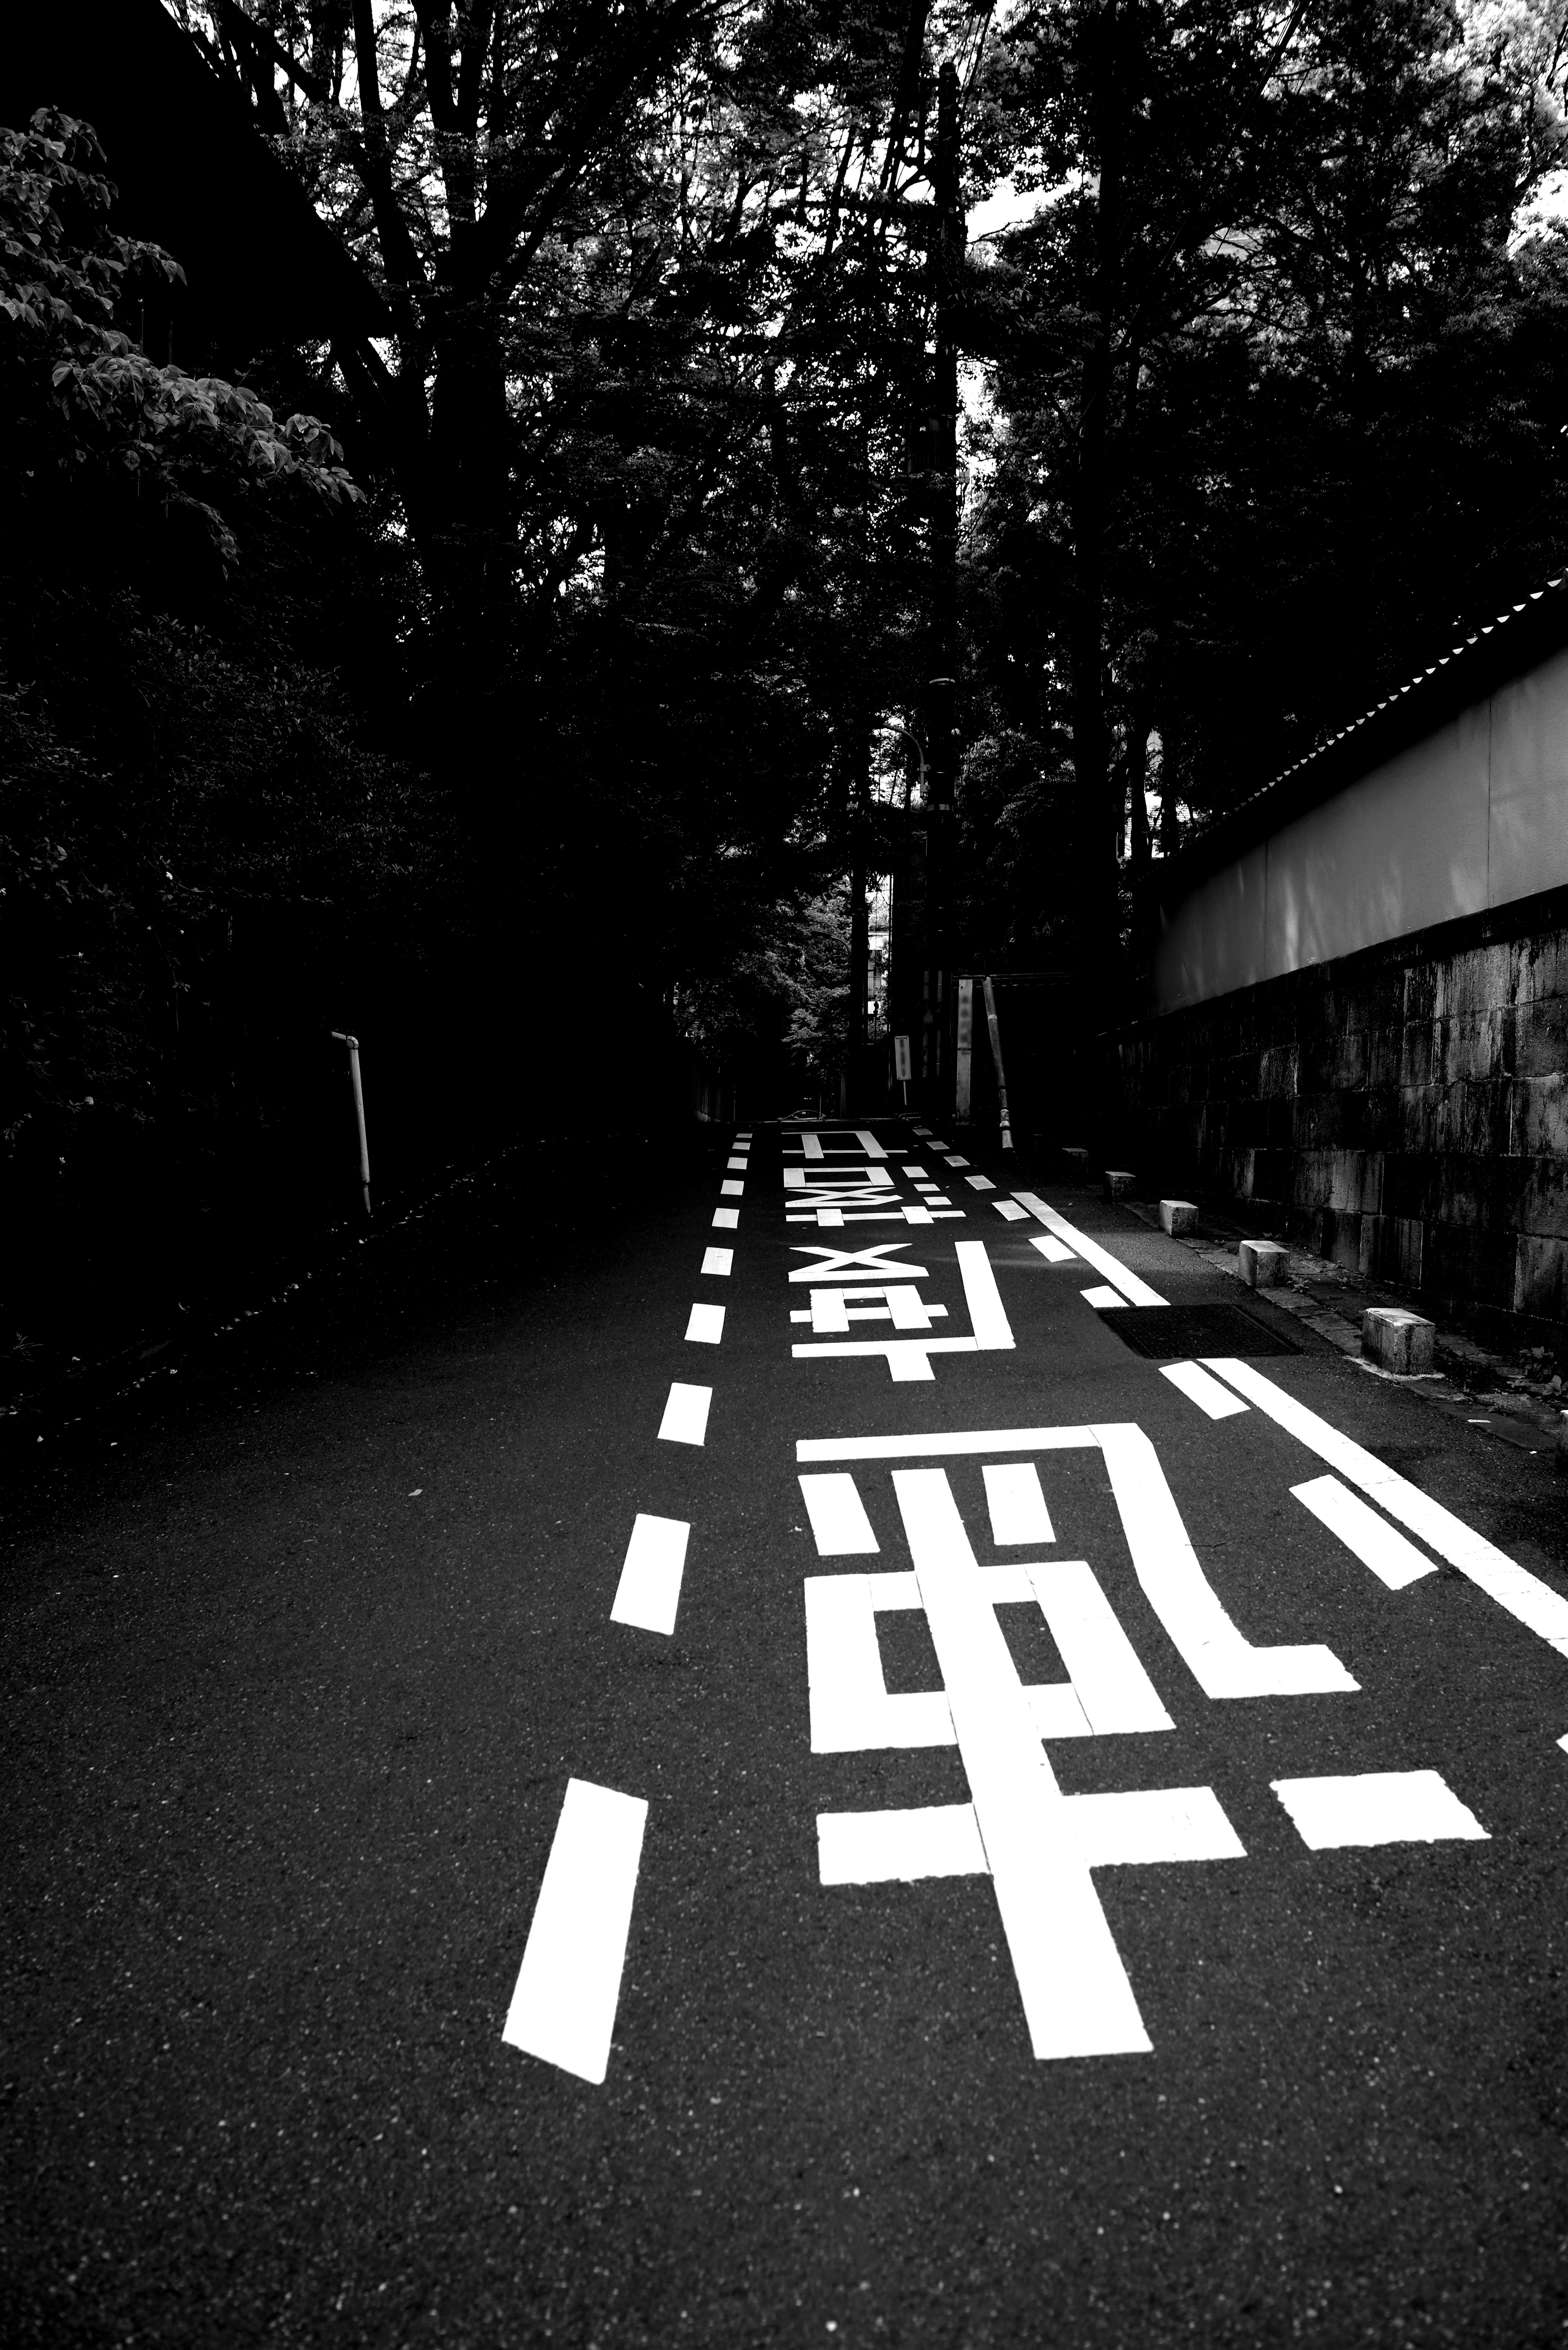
(726, 1219)
(705, 1324)
(1135, 1292)
(568, 1986)
(1054, 1251)
(1205, 1392)
(730, 1189)
(719, 1260)
(1378, 1807)
(1391, 1559)
(979, 1183)
(685, 1417)
(1010, 1210)
(648, 1592)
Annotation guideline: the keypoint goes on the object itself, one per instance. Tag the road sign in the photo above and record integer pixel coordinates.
(901, 1068)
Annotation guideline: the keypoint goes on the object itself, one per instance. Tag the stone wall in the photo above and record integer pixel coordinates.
(1403, 1110)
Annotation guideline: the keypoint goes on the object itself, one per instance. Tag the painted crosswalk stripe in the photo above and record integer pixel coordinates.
(706, 1325)
(719, 1260)
(685, 1417)
(1375, 1541)
(648, 1592)
(568, 1986)
(1199, 1389)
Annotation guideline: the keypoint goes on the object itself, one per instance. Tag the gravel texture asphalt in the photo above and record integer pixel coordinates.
(302, 1646)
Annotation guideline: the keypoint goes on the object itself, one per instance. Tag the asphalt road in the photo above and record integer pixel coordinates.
(303, 1654)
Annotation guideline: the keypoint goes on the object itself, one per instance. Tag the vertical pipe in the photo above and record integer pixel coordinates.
(962, 1087)
(996, 1056)
(353, 1044)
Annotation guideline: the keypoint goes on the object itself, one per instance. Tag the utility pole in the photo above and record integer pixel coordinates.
(947, 269)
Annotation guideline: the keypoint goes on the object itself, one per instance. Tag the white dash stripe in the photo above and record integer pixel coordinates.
(1010, 1210)
(1199, 1389)
(1016, 1503)
(685, 1417)
(705, 1324)
(992, 1331)
(726, 1219)
(719, 1260)
(1375, 1541)
(1135, 1292)
(979, 1183)
(1103, 1298)
(568, 1986)
(731, 1188)
(648, 1592)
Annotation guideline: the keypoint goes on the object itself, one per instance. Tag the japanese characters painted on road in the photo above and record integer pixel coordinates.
(895, 1299)
(1038, 1845)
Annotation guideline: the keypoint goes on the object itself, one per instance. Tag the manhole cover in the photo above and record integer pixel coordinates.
(1166, 1334)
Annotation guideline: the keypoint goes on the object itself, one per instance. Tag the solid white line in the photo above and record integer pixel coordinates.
(718, 1260)
(648, 1592)
(705, 1324)
(1054, 1251)
(568, 1985)
(1077, 2000)
(1206, 1393)
(1221, 1658)
(685, 1417)
(992, 1331)
(1392, 1559)
(957, 1440)
(726, 1219)
(1103, 1299)
(1525, 1596)
(1016, 1503)
(1135, 1292)
(838, 1521)
(1378, 1807)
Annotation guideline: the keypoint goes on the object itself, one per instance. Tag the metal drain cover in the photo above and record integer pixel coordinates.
(1166, 1333)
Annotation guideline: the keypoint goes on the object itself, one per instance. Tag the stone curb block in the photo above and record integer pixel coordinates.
(1119, 1183)
(1397, 1340)
(1178, 1216)
(1261, 1263)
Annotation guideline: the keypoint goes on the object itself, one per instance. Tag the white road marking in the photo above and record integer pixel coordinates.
(1017, 1505)
(838, 1521)
(648, 1592)
(917, 1174)
(1378, 1807)
(1077, 2000)
(1525, 1596)
(954, 1441)
(730, 1189)
(1394, 1560)
(1154, 1824)
(568, 1986)
(1109, 1683)
(705, 1323)
(718, 1260)
(837, 1182)
(1010, 1210)
(685, 1417)
(1135, 1292)
(979, 1183)
(855, 1263)
(909, 1358)
(726, 1219)
(1104, 1300)
(955, 1159)
(1219, 1656)
(811, 1146)
(1196, 1384)
(992, 1330)
(733, 1163)
(851, 1708)
(1564, 1744)
(1054, 1251)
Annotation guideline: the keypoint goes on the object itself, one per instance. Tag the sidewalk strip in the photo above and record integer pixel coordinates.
(1525, 1596)
(705, 1324)
(1374, 1541)
(568, 1985)
(648, 1592)
(685, 1417)
(1135, 1292)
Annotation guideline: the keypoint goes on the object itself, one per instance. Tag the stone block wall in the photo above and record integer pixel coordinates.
(1404, 1110)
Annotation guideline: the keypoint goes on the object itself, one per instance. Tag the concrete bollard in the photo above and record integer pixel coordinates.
(1178, 1216)
(1396, 1340)
(1119, 1183)
(1077, 1160)
(1261, 1263)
